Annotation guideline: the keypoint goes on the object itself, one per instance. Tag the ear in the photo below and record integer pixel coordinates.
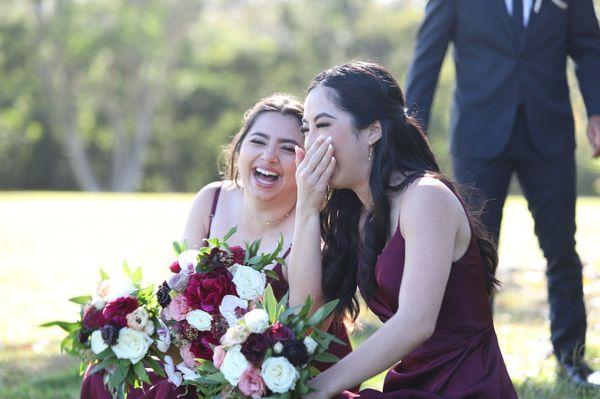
(374, 132)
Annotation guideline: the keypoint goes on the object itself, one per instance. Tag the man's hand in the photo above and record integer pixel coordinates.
(593, 134)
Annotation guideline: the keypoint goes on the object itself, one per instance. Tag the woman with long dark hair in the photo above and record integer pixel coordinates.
(374, 212)
(258, 195)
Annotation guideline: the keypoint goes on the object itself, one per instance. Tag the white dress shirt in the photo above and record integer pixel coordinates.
(527, 5)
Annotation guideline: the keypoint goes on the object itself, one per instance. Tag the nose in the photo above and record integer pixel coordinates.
(270, 154)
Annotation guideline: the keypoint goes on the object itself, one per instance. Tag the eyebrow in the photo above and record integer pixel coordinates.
(267, 137)
(321, 115)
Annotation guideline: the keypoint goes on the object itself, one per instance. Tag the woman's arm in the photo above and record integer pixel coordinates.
(198, 220)
(304, 269)
(430, 220)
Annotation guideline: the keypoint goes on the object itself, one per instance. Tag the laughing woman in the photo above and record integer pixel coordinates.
(396, 228)
(258, 196)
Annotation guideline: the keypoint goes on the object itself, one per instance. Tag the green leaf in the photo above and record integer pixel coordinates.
(322, 313)
(155, 366)
(137, 276)
(126, 269)
(81, 300)
(270, 304)
(67, 326)
(140, 371)
(327, 357)
(272, 274)
(103, 275)
(231, 232)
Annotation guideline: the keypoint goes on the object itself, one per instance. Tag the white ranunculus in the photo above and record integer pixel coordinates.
(188, 259)
(229, 304)
(257, 320)
(199, 319)
(235, 335)
(310, 344)
(250, 283)
(118, 288)
(279, 374)
(234, 365)
(98, 344)
(132, 345)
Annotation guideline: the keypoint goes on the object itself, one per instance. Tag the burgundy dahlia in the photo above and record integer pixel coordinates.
(115, 312)
(92, 318)
(200, 346)
(206, 291)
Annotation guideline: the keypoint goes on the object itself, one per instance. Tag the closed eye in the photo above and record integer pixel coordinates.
(259, 142)
(289, 149)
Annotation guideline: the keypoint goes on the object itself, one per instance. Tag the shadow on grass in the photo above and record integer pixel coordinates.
(552, 389)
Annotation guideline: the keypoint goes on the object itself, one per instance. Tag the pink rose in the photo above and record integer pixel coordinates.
(189, 359)
(177, 309)
(218, 356)
(251, 383)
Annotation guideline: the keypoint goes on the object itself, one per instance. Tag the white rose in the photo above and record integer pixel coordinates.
(249, 283)
(233, 268)
(228, 306)
(234, 365)
(279, 374)
(118, 288)
(188, 259)
(310, 344)
(235, 335)
(98, 345)
(137, 319)
(257, 320)
(132, 345)
(199, 319)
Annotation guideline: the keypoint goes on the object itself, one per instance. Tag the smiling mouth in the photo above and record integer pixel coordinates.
(265, 176)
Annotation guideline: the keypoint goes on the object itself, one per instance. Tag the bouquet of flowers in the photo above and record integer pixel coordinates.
(235, 338)
(209, 291)
(270, 352)
(118, 332)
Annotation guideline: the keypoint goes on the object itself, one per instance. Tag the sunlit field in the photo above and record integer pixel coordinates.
(52, 244)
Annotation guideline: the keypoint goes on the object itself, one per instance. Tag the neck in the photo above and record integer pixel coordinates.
(363, 192)
(263, 215)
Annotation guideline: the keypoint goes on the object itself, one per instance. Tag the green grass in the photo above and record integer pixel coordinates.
(52, 244)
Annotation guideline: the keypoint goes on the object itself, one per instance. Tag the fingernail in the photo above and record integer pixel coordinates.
(330, 148)
(329, 139)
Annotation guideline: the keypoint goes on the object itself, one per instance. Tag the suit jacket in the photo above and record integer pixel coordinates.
(499, 67)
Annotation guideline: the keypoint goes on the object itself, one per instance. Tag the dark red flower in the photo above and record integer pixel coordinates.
(218, 326)
(92, 318)
(206, 291)
(238, 254)
(279, 332)
(255, 347)
(116, 311)
(175, 268)
(200, 347)
(295, 351)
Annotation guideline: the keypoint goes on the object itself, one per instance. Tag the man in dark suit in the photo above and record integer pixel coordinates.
(511, 113)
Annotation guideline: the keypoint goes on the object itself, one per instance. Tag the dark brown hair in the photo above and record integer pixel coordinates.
(369, 93)
(281, 103)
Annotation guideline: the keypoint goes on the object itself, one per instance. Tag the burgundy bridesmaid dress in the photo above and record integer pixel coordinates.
(93, 388)
(462, 359)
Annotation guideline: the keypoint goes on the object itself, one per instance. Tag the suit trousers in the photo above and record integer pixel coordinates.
(549, 186)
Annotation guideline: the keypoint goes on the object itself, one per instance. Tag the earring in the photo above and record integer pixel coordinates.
(370, 150)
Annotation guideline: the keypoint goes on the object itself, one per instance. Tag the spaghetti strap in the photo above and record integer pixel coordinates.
(213, 210)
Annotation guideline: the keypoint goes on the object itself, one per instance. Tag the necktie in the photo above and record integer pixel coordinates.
(518, 14)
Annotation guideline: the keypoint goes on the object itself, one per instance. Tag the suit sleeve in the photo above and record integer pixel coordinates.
(434, 35)
(584, 48)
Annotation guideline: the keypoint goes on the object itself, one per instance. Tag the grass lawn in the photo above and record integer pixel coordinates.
(52, 244)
